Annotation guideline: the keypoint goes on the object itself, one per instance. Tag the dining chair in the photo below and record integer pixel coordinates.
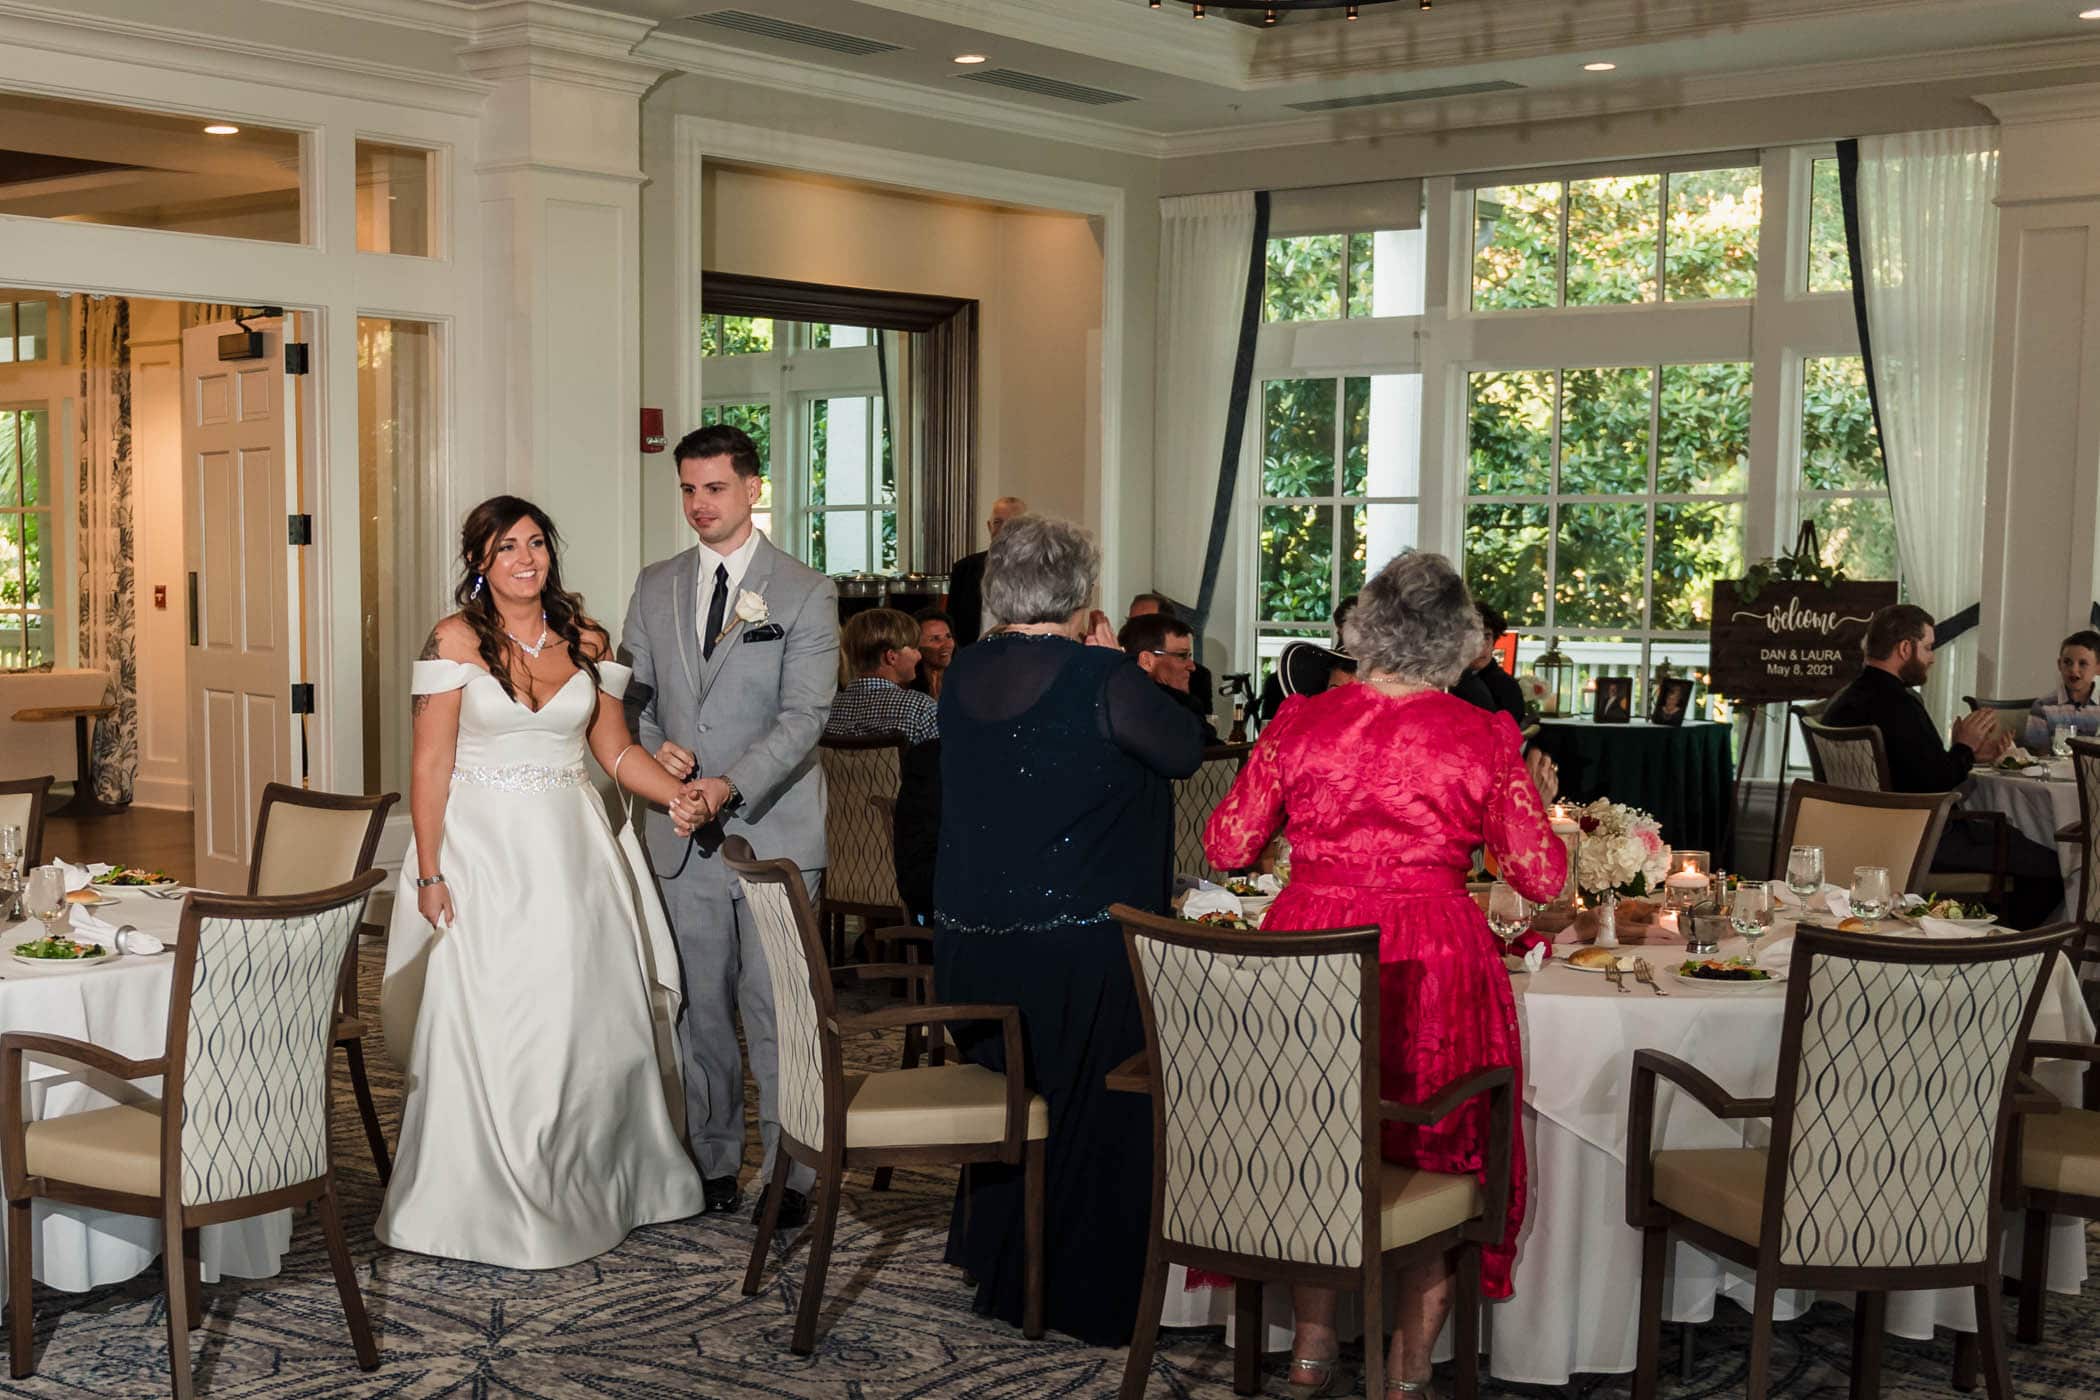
(22, 803)
(1887, 1151)
(2085, 771)
(1265, 1136)
(1195, 798)
(1897, 831)
(241, 1127)
(307, 840)
(2011, 714)
(861, 879)
(833, 1121)
(2058, 1154)
(1854, 756)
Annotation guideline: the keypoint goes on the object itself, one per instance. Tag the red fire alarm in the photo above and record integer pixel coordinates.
(652, 430)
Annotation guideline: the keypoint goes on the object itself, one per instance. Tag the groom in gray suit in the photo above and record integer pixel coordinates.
(735, 652)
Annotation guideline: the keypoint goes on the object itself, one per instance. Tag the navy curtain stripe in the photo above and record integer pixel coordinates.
(1236, 411)
(1948, 628)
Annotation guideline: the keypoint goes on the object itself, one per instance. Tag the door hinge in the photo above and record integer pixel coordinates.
(302, 698)
(300, 529)
(298, 357)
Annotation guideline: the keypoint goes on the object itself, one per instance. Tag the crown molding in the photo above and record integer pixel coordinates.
(546, 39)
(686, 55)
(2073, 102)
(451, 19)
(54, 28)
(1219, 54)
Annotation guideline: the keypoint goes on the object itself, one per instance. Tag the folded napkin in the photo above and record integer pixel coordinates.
(1829, 900)
(100, 931)
(1533, 947)
(1929, 927)
(1210, 900)
(79, 877)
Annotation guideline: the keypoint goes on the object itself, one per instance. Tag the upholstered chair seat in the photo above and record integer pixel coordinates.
(2059, 1173)
(109, 1149)
(935, 1106)
(1413, 1205)
(1723, 1188)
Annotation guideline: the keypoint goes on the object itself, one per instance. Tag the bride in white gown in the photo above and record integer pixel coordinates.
(531, 983)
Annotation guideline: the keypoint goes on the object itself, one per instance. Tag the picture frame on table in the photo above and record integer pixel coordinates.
(1614, 700)
(1673, 701)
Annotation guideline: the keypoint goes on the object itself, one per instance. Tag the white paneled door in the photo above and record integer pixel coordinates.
(238, 456)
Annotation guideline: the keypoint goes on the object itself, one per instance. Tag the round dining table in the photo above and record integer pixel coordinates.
(120, 1004)
(1576, 1282)
(2038, 802)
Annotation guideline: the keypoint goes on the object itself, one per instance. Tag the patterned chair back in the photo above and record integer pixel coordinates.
(801, 981)
(862, 872)
(2010, 712)
(1195, 798)
(1265, 1055)
(249, 1032)
(1893, 1095)
(2085, 766)
(1847, 756)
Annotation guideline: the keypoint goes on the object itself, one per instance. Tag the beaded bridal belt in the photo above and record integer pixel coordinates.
(524, 777)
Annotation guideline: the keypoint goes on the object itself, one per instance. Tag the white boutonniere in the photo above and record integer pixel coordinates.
(750, 609)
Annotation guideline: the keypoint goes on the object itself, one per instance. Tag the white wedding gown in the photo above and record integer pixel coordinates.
(537, 1030)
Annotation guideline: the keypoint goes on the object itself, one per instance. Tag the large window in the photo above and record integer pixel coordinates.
(25, 529)
(24, 332)
(1844, 487)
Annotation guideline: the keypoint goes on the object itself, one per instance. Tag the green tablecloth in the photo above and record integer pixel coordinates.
(1682, 775)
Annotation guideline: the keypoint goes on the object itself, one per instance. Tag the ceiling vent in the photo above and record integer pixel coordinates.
(1380, 99)
(1048, 87)
(767, 27)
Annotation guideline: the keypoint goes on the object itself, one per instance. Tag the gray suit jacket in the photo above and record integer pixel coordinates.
(752, 712)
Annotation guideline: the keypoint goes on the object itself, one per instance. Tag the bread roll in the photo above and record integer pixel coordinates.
(1593, 957)
(1855, 925)
(83, 896)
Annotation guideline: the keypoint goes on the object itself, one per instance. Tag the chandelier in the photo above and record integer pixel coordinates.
(1272, 10)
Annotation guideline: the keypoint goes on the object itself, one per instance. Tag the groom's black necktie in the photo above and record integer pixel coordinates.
(716, 607)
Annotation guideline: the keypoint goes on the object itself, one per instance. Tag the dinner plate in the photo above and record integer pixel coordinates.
(106, 957)
(1772, 978)
(101, 897)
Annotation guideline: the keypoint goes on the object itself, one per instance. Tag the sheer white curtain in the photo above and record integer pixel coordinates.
(1929, 247)
(1204, 243)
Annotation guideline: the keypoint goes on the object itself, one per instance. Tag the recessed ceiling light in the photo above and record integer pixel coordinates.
(1598, 67)
(969, 58)
(222, 129)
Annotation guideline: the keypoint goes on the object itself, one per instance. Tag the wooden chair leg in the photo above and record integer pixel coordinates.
(361, 1086)
(1374, 1327)
(1647, 1363)
(767, 1219)
(1759, 1378)
(1870, 1314)
(1246, 1336)
(2034, 1274)
(805, 1339)
(1137, 1366)
(1967, 1364)
(21, 1320)
(1032, 1241)
(178, 1304)
(193, 1275)
(346, 1280)
(1465, 1382)
(1990, 1338)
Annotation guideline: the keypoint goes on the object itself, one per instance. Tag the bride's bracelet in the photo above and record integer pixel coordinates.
(620, 759)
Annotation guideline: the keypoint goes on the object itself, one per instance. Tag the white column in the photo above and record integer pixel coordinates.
(2041, 571)
(559, 169)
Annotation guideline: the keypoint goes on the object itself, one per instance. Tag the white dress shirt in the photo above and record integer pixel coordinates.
(738, 562)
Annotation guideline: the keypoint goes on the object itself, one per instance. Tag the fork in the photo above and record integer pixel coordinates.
(1613, 975)
(1645, 975)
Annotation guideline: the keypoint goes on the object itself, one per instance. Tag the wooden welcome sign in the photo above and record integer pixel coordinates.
(1796, 640)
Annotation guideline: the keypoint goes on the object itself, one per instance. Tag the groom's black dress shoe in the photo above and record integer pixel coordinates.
(794, 1209)
(720, 1194)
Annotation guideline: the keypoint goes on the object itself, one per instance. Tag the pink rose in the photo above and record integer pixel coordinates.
(1651, 840)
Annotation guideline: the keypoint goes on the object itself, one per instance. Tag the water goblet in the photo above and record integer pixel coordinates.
(1747, 913)
(1508, 912)
(1804, 870)
(2060, 736)
(46, 896)
(1870, 891)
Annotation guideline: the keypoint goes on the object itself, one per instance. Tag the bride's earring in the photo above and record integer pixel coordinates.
(479, 579)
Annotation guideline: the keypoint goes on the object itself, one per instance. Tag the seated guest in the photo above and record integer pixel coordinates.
(1383, 789)
(1165, 649)
(1485, 683)
(1307, 668)
(936, 650)
(2073, 702)
(1899, 655)
(881, 653)
(1056, 803)
(1199, 687)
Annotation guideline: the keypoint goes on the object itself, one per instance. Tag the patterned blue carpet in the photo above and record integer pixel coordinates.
(663, 1315)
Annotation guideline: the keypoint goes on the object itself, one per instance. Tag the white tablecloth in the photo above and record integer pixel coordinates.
(1577, 1275)
(122, 1006)
(2037, 807)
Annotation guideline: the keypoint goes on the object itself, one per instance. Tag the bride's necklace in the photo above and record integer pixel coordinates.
(531, 649)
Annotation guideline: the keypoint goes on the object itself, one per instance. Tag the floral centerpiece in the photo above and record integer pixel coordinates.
(1621, 853)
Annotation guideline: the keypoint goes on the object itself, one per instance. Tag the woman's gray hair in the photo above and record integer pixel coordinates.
(1040, 569)
(1415, 620)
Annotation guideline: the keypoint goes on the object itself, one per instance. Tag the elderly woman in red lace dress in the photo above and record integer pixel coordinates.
(1385, 789)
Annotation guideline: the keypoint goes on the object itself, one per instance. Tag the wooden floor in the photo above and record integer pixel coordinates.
(151, 837)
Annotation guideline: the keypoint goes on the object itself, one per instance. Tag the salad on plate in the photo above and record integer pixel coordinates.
(131, 875)
(1736, 970)
(60, 949)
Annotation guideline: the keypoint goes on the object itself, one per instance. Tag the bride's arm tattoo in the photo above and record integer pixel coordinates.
(429, 653)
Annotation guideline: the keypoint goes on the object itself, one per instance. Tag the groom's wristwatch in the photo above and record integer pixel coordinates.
(735, 798)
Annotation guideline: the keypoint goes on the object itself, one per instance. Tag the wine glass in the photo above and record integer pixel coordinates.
(1747, 912)
(46, 896)
(1870, 891)
(1804, 870)
(1509, 913)
(2060, 740)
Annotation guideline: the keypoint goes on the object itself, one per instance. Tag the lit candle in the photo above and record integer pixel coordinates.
(1687, 880)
